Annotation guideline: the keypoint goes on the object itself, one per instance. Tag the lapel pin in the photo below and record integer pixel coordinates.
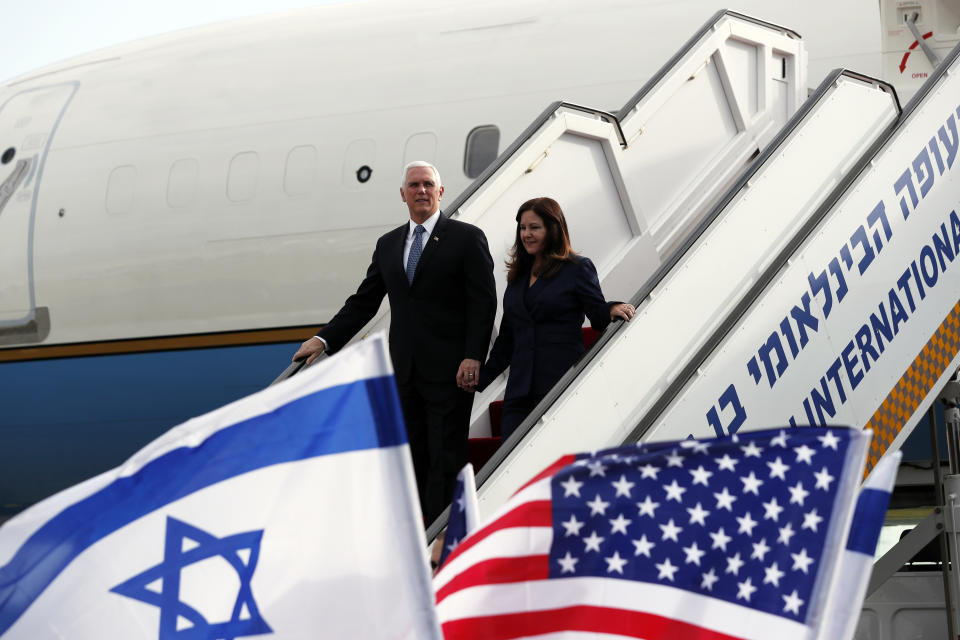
(436, 239)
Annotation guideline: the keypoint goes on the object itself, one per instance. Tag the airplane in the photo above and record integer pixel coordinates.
(179, 212)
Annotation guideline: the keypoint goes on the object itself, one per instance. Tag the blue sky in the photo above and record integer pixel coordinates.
(40, 32)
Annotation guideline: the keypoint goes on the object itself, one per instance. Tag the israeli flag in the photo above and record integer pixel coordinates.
(852, 575)
(291, 513)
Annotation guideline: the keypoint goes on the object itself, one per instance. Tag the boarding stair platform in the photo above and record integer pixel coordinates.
(789, 258)
(693, 292)
(820, 290)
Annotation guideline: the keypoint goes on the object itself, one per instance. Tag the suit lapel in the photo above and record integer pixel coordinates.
(513, 298)
(430, 246)
(394, 246)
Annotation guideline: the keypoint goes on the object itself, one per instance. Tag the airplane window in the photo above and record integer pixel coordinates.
(300, 174)
(121, 187)
(8, 155)
(182, 182)
(483, 144)
(242, 176)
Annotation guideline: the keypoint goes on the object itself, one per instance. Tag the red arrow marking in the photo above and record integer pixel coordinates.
(903, 62)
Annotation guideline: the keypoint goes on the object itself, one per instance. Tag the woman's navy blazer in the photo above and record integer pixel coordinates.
(539, 344)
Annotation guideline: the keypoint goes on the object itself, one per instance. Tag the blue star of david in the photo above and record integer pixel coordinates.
(168, 599)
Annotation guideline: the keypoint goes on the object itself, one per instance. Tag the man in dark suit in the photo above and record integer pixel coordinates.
(438, 276)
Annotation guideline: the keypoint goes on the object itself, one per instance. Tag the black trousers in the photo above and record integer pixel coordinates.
(515, 410)
(438, 424)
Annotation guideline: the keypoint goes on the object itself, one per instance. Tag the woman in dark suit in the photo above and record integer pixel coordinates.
(549, 291)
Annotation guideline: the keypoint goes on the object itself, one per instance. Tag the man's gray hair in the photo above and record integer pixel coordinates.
(418, 163)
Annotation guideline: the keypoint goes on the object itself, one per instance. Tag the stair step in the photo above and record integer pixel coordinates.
(479, 450)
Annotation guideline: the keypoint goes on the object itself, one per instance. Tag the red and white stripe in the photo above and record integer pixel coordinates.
(495, 585)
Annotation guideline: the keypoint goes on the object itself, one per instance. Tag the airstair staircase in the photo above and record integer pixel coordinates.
(821, 290)
(791, 257)
(818, 289)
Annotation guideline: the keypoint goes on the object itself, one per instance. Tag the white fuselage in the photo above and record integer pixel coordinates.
(207, 180)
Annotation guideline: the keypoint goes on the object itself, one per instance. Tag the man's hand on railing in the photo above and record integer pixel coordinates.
(311, 350)
(308, 352)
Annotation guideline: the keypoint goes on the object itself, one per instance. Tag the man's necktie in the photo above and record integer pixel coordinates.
(415, 250)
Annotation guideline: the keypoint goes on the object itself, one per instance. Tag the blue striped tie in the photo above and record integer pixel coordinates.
(415, 250)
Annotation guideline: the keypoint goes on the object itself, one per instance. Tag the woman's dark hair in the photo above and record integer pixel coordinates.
(557, 247)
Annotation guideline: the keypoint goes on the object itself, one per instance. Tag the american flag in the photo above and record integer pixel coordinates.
(463, 512)
(727, 538)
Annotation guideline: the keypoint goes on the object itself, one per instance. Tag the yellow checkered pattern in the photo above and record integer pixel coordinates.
(916, 383)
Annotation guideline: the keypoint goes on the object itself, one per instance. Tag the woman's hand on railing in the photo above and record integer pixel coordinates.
(622, 311)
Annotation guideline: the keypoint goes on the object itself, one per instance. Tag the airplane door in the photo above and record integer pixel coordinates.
(28, 122)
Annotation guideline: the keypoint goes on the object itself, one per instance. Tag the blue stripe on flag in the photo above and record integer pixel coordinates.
(360, 415)
(868, 520)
